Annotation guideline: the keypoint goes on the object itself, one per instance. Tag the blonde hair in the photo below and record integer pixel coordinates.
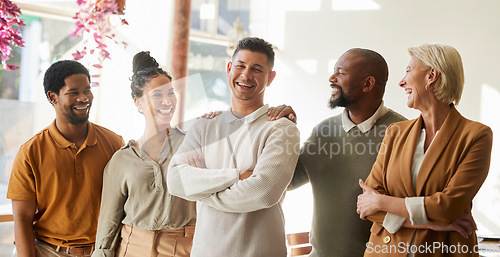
(446, 59)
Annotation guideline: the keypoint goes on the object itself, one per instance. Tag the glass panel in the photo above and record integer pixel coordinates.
(20, 94)
(207, 86)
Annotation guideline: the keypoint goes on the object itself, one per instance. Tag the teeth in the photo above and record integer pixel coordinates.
(165, 111)
(82, 107)
(408, 91)
(244, 85)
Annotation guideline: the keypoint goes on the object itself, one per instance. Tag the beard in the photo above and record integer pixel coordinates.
(341, 100)
(76, 119)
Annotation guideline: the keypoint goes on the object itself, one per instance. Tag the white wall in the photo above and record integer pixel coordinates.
(310, 35)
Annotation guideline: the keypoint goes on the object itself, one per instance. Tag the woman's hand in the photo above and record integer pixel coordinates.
(282, 111)
(197, 162)
(367, 201)
(244, 174)
(464, 224)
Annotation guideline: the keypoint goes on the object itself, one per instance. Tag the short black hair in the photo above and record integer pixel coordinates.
(256, 44)
(55, 75)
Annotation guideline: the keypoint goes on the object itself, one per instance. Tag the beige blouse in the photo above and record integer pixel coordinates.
(135, 193)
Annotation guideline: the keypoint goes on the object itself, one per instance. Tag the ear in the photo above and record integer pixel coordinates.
(228, 68)
(52, 97)
(271, 77)
(138, 103)
(432, 76)
(369, 84)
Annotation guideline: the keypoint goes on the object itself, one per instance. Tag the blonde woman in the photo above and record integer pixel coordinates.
(420, 190)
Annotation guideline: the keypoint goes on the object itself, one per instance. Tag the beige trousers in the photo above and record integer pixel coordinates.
(137, 242)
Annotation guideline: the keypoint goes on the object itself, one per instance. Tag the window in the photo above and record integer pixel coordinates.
(211, 21)
(216, 17)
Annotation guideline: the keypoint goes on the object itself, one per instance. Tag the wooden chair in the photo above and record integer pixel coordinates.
(298, 244)
(8, 218)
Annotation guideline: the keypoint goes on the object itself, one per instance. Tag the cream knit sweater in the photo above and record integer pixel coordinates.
(237, 218)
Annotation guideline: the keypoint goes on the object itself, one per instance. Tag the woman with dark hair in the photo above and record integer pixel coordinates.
(138, 216)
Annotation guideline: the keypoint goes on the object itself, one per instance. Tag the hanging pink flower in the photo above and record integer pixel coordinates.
(9, 18)
(93, 17)
(79, 55)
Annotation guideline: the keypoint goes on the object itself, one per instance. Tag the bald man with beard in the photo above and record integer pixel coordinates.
(342, 149)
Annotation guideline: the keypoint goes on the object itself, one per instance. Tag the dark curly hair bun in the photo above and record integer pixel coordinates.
(144, 67)
(143, 60)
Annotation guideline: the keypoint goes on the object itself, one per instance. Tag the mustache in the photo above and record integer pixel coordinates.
(336, 86)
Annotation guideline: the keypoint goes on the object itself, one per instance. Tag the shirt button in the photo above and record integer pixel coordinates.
(387, 239)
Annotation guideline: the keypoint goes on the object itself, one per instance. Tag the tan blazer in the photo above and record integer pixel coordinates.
(453, 170)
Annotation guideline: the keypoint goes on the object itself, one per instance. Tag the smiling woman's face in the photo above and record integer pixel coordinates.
(414, 83)
(158, 100)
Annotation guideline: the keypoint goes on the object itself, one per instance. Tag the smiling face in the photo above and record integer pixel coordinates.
(347, 81)
(414, 83)
(158, 101)
(249, 73)
(74, 100)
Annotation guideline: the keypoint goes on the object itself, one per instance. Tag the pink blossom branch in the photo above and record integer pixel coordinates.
(93, 18)
(9, 17)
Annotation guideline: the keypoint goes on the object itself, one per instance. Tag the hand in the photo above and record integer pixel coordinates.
(367, 201)
(464, 225)
(282, 111)
(197, 161)
(244, 174)
(210, 115)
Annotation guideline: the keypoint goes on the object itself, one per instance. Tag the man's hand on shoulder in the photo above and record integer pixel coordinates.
(281, 111)
(210, 115)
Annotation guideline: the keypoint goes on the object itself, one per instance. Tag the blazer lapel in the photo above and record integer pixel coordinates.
(407, 156)
(437, 148)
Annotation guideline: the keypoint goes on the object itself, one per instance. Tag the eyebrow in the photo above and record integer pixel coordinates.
(159, 89)
(76, 89)
(258, 65)
(73, 90)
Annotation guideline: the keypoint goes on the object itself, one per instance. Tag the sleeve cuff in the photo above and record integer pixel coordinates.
(392, 222)
(416, 209)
